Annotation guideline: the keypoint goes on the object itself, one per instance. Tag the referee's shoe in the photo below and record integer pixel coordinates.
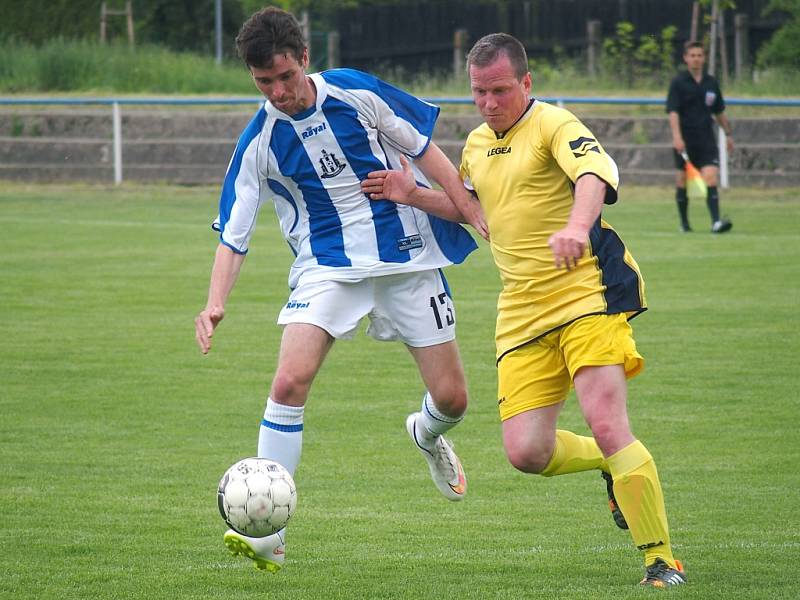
(721, 226)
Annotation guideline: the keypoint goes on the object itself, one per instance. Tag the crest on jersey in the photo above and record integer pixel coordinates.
(331, 166)
(583, 145)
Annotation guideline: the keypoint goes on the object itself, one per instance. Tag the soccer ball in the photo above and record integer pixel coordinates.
(256, 497)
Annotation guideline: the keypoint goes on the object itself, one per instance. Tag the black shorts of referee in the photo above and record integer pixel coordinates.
(702, 151)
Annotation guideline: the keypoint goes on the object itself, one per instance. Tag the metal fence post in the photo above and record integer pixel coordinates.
(742, 46)
(460, 42)
(218, 30)
(333, 49)
(305, 26)
(723, 159)
(594, 34)
(117, 127)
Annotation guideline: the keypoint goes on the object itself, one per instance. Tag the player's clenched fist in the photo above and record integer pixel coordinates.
(204, 325)
(568, 246)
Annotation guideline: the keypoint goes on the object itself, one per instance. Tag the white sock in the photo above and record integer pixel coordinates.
(433, 423)
(280, 437)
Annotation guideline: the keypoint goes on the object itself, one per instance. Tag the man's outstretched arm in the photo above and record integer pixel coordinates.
(224, 273)
(401, 187)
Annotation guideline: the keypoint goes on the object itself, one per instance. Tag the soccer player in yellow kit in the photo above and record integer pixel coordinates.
(569, 288)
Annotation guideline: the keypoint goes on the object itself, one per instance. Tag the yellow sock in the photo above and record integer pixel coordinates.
(638, 493)
(574, 453)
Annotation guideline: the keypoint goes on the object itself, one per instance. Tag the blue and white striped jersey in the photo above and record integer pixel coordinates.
(311, 165)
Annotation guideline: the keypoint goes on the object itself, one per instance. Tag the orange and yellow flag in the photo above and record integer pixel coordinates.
(695, 186)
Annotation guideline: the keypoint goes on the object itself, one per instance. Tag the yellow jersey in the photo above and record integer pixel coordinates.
(525, 181)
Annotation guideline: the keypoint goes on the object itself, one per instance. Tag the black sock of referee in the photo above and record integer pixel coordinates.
(683, 206)
(712, 201)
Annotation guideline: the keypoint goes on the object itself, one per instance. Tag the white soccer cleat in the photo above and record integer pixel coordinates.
(267, 553)
(446, 470)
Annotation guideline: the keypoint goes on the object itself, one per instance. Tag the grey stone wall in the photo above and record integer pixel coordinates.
(194, 147)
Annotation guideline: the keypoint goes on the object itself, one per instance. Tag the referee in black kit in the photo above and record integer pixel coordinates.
(694, 98)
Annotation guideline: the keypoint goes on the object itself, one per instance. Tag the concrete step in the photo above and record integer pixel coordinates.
(194, 146)
(645, 130)
(104, 173)
(774, 164)
(212, 174)
(767, 157)
(136, 124)
(736, 178)
(197, 124)
(95, 151)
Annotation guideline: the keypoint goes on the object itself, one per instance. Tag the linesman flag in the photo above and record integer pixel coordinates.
(695, 186)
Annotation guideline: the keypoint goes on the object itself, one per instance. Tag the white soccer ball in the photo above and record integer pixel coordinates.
(256, 497)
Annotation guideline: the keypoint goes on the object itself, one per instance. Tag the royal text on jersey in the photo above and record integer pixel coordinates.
(296, 304)
(313, 130)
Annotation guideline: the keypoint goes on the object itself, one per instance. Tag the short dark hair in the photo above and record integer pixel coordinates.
(489, 47)
(693, 44)
(266, 33)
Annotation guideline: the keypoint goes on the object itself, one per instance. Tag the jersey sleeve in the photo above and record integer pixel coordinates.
(403, 120)
(240, 197)
(577, 152)
(673, 97)
(719, 102)
(463, 169)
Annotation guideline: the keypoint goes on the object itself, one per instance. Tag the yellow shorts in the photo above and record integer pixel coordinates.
(540, 373)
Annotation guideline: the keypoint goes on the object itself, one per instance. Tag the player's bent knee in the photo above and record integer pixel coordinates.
(611, 435)
(452, 402)
(528, 459)
(604, 433)
(289, 389)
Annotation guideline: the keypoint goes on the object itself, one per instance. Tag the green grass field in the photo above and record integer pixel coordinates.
(115, 430)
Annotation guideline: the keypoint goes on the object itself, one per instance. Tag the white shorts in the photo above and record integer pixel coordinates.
(414, 308)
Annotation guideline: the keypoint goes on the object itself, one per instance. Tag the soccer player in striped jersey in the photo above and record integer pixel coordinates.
(569, 288)
(316, 137)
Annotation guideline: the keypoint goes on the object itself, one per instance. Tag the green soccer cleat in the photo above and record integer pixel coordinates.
(267, 553)
(619, 518)
(661, 575)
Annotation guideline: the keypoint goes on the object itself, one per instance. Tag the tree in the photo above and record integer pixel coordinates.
(184, 25)
(781, 50)
(654, 56)
(618, 52)
(649, 58)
